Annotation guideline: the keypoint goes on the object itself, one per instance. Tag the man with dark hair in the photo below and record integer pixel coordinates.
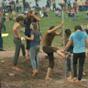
(78, 39)
(48, 49)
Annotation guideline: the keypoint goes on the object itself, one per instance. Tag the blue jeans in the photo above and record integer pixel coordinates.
(34, 57)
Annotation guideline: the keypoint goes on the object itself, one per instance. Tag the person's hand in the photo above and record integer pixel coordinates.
(61, 54)
(22, 38)
(62, 50)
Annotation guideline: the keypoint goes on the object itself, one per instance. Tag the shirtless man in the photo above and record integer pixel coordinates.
(17, 40)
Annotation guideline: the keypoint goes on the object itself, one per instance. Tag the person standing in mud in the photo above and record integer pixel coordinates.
(49, 49)
(78, 39)
(70, 51)
(35, 39)
(17, 40)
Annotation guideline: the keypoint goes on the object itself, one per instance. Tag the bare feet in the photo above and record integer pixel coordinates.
(17, 69)
(72, 80)
(77, 81)
(48, 78)
(35, 72)
(69, 78)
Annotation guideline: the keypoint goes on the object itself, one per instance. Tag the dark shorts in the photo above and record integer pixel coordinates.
(49, 49)
(27, 44)
(50, 52)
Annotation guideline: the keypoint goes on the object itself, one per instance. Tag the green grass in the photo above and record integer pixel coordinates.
(45, 23)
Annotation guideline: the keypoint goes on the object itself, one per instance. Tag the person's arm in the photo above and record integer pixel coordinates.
(68, 45)
(55, 28)
(36, 17)
(58, 33)
(29, 38)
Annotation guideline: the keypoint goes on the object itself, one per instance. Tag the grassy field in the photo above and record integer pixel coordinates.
(45, 23)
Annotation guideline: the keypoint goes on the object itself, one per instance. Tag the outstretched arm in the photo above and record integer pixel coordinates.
(36, 17)
(55, 28)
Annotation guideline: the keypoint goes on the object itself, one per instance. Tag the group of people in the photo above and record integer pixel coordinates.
(33, 39)
(75, 43)
(77, 46)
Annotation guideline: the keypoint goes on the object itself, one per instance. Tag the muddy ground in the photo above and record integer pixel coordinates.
(24, 79)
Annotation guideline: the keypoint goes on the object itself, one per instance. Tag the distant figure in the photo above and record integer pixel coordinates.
(45, 12)
(1, 39)
(3, 22)
(58, 12)
(54, 5)
(48, 3)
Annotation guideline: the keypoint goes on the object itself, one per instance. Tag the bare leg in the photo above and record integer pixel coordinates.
(27, 55)
(48, 75)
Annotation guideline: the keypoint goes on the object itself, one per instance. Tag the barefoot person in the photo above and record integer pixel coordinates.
(78, 39)
(34, 48)
(70, 50)
(48, 49)
(17, 40)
